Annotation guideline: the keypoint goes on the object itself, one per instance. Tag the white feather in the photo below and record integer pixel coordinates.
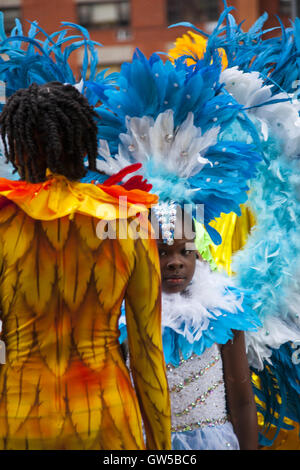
(246, 88)
(110, 165)
(205, 296)
(281, 118)
(179, 151)
(274, 333)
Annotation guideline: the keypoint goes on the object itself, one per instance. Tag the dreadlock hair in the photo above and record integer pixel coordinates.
(49, 126)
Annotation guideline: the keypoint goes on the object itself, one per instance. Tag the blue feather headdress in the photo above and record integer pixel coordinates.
(173, 120)
(275, 58)
(40, 58)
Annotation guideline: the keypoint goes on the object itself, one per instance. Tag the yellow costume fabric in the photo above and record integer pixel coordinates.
(234, 231)
(65, 384)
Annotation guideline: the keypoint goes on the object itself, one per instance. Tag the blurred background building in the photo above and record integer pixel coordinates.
(123, 25)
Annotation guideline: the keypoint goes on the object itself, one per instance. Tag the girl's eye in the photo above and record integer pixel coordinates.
(187, 252)
(162, 253)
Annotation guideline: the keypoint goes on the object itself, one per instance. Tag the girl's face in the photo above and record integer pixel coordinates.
(177, 264)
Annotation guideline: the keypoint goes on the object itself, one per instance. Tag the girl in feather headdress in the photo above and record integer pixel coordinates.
(212, 401)
(262, 73)
(175, 121)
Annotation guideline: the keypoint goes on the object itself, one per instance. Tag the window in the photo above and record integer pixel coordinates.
(195, 11)
(290, 8)
(285, 7)
(104, 14)
(10, 15)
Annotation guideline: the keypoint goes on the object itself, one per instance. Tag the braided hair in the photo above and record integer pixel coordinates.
(49, 126)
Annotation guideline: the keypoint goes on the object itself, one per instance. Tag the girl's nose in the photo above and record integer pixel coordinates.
(175, 263)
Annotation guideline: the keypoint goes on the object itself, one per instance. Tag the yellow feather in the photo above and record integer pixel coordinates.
(83, 404)
(37, 271)
(89, 323)
(74, 269)
(109, 276)
(234, 231)
(192, 44)
(17, 238)
(8, 213)
(143, 304)
(8, 289)
(19, 333)
(87, 227)
(57, 231)
(29, 395)
(54, 328)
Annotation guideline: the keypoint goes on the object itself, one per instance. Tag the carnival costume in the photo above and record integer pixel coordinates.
(262, 74)
(64, 384)
(174, 121)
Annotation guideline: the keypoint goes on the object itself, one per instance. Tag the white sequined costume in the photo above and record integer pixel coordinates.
(199, 416)
(191, 322)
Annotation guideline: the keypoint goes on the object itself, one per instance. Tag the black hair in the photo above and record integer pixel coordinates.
(49, 126)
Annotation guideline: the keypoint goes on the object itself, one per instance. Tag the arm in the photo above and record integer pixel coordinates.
(143, 318)
(239, 394)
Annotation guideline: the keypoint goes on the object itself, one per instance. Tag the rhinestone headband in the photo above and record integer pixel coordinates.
(166, 215)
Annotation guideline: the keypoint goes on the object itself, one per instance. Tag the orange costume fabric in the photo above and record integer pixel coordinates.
(65, 384)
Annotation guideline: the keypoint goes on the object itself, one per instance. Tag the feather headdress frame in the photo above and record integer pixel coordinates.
(172, 119)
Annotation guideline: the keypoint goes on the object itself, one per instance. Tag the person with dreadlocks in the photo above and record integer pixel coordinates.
(58, 141)
(64, 384)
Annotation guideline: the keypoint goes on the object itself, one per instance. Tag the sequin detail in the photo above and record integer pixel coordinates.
(200, 424)
(197, 391)
(199, 400)
(194, 376)
(170, 367)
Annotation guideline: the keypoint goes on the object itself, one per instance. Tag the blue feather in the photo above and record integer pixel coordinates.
(2, 29)
(148, 88)
(44, 60)
(280, 378)
(189, 25)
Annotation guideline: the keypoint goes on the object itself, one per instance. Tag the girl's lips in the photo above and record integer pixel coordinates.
(174, 281)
